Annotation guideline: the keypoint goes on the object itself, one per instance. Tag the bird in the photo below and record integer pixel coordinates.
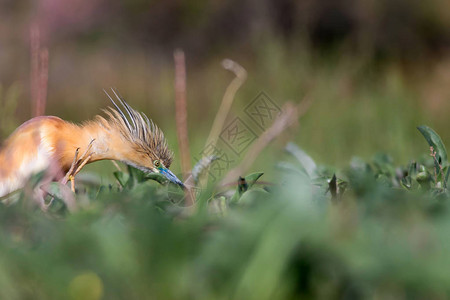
(64, 148)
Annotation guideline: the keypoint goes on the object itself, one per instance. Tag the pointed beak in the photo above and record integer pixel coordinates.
(171, 177)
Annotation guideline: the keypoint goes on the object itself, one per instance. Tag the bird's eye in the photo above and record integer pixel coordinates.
(156, 163)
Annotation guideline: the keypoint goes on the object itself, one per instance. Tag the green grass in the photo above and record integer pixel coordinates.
(379, 230)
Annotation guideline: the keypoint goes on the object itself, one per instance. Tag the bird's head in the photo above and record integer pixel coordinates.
(145, 144)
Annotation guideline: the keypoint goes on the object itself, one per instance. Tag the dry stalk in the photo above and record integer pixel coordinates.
(227, 100)
(181, 121)
(116, 165)
(34, 80)
(289, 116)
(43, 81)
(39, 73)
(441, 169)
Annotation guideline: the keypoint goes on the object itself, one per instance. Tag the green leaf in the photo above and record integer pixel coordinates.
(253, 195)
(446, 177)
(424, 179)
(408, 181)
(122, 178)
(383, 164)
(289, 168)
(156, 177)
(136, 176)
(304, 159)
(434, 140)
(252, 178)
(244, 184)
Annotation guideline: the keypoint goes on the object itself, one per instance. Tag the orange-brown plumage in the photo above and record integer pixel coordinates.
(50, 142)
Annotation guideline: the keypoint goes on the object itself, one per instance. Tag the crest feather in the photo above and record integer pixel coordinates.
(138, 129)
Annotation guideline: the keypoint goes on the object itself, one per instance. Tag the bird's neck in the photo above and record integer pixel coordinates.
(94, 139)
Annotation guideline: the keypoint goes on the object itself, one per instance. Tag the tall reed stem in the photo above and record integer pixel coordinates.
(39, 73)
(181, 121)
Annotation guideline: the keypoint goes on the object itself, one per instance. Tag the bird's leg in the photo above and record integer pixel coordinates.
(83, 163)
(72, 183)
(77, 165)
(72, 176)
(72, 167)
(87, 150)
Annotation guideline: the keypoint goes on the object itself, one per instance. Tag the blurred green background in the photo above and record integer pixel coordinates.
(375, 69)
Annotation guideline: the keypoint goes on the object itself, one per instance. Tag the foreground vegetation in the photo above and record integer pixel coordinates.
(377, 230)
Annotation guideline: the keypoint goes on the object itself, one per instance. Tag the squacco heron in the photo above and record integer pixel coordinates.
(51, 143)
